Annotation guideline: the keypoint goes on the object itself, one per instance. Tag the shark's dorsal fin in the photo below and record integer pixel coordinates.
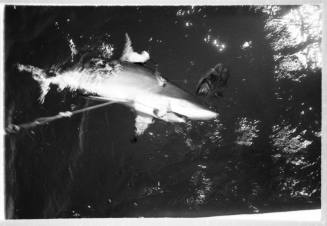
(128, 49)
(129, 55)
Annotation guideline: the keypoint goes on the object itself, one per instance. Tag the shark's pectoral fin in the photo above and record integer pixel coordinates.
(142, 122)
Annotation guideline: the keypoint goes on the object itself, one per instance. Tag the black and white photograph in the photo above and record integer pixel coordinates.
(137, 111)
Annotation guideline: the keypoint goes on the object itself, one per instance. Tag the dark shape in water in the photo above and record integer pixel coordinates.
(213, 82)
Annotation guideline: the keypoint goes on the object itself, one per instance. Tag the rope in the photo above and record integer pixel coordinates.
(12, 128)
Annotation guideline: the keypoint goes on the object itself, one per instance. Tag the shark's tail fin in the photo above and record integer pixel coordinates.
(40, 76)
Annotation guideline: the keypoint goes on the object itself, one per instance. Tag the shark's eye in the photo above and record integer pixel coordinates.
(155, 112)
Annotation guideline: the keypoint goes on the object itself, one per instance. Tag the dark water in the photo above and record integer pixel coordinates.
(87, 166)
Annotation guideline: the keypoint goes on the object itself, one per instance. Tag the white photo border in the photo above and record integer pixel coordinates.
(299, 218)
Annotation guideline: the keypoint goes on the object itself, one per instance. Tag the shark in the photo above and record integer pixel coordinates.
(127, 81)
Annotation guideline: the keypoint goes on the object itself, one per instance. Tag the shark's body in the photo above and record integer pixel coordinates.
(129, 83)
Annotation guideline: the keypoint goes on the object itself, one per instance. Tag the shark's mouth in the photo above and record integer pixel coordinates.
(143, 121)
(169, 116)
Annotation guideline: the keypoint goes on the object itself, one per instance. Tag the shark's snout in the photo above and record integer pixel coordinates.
(193, 111)
(199, 113)
(206, 115)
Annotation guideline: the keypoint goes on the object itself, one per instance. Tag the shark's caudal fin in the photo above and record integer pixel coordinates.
(38, 75)
(130, 56)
